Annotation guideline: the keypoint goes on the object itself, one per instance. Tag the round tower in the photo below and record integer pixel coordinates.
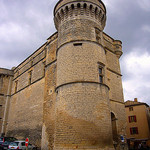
(83, 118)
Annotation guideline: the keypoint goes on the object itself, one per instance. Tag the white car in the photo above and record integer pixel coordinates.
(20, 145)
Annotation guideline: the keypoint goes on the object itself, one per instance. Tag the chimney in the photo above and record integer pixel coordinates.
(135, 100)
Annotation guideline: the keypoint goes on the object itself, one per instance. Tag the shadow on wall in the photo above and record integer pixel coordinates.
(34, 135)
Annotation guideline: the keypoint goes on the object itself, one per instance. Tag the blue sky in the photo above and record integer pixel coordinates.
(26, 24)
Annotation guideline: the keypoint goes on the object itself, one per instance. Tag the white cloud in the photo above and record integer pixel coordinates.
(12, 30)
(137, 67)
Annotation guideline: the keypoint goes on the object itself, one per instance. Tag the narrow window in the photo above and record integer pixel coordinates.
(101, 74)
(72, 6)
(44, 65)
(30, 77)
(16, 86)
(17, 72)
(85, 6)
(133, 130)
(77, 44)
(78, 5)
(132, 119)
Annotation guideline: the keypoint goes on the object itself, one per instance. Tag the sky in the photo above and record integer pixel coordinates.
(26, 24)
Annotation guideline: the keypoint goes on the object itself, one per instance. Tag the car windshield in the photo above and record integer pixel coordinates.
(6, 142)
(14, 143)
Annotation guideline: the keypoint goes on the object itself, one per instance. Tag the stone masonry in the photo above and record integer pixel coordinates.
(68, 94)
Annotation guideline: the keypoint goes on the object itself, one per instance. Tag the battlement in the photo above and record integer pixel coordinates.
(7, 72)
(69, 10)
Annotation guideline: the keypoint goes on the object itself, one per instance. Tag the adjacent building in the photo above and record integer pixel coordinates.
(138, 122)
(68, 93)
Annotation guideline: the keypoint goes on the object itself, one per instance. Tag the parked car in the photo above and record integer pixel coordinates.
(5, 145)
(1, 140)
(4, 139)
(20, 145)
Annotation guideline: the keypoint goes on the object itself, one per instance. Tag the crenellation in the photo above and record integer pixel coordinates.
(81, 9)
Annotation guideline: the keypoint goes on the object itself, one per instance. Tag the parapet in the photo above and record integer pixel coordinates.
(72, 9)
(7, 72)
(113, 45)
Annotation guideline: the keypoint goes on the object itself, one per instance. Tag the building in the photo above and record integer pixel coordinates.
(6, 77)
(68, 93)
(138, 122)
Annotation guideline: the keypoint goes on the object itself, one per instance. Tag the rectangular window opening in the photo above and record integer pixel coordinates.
(77, 44)
(134, 130)
(130, 108)
(132, 119)
(16, 85)
(30, 77)
(101, 75)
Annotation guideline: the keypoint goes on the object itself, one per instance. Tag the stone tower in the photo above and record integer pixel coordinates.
(83, 116)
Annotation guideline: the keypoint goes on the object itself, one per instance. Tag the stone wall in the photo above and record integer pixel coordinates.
(26, 106)
(49, 95)
(5, 91)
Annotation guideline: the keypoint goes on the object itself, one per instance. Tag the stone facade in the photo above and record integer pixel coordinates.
(5, 94)
(68, 94)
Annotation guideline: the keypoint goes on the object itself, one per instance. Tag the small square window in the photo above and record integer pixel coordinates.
(130, 108)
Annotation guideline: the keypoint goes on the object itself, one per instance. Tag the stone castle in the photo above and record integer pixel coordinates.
(68, 94)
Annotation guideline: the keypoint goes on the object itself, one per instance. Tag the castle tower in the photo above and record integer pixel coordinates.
(83, 117)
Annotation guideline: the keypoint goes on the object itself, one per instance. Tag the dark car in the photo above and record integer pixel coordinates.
(1, 141)
(8, 139)
(5, 145)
